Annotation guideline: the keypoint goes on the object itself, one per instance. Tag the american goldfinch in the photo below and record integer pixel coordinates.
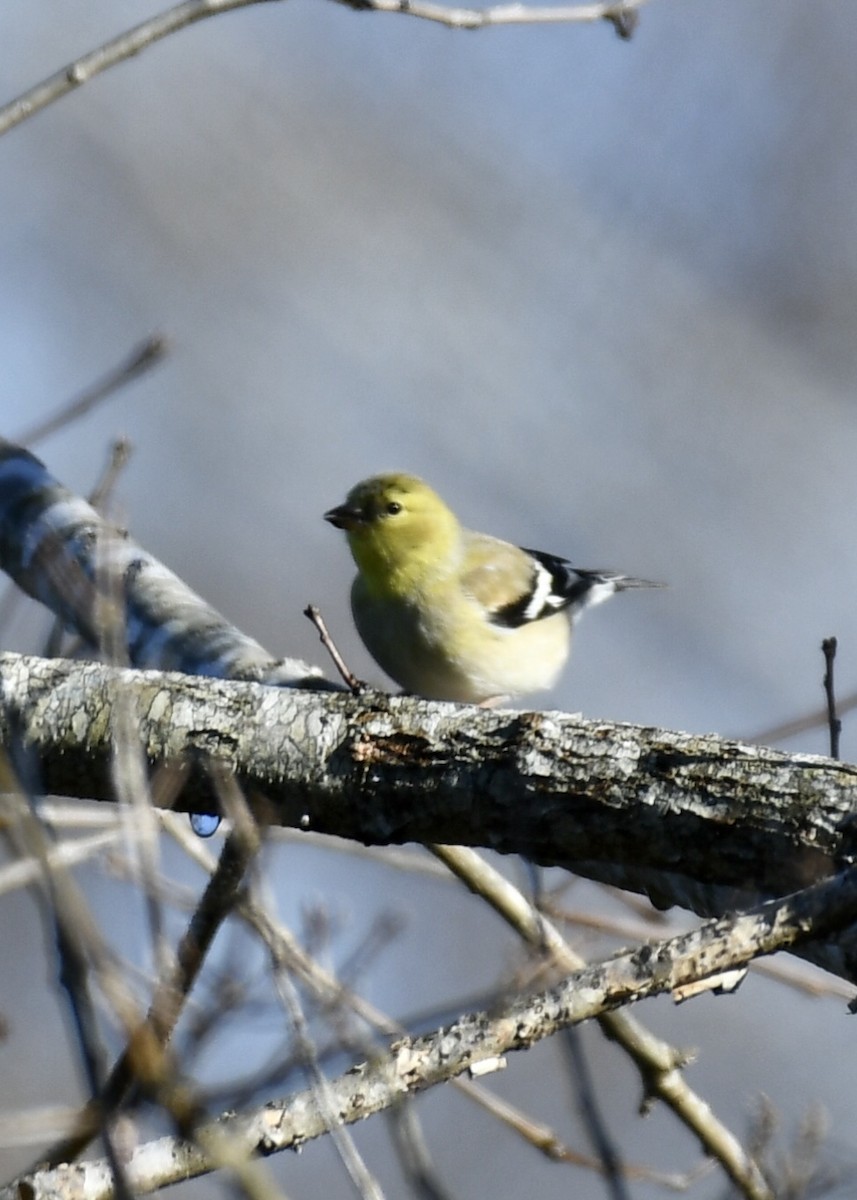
(454, 615)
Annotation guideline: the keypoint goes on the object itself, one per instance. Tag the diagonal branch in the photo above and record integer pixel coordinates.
(60, 551)
(414, 1064)
(141, 359)
(658, 1063)
(117, 50)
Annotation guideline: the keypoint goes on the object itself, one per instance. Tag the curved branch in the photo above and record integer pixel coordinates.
(117, 50)
(620, 13)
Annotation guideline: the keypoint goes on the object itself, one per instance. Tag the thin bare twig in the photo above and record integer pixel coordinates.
(350, 679)
(828, 649)
(544, 1139)
(658, 1063)
(414, 860)
(141, 359)
(334, 995)
(361, 1177)
(218, 900)
(117, 461)
(415, 1064)
(67, 853)
(117, 50)
(610, 1160)
(413, 1154)
(621, 15)
(797, 725)
(78, 952)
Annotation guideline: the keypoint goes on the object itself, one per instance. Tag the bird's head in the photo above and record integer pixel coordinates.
(396, 526)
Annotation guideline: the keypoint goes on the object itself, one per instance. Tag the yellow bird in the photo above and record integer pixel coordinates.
(454, 615)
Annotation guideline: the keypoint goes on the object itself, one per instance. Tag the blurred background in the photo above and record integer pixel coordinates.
(601, 294)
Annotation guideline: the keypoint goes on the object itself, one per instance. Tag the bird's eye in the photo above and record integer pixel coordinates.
(393, 507)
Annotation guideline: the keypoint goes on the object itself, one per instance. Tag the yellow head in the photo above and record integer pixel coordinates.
(397, 526)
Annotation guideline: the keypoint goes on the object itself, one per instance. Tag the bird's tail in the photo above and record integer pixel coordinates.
(594, 587)
(623, 582)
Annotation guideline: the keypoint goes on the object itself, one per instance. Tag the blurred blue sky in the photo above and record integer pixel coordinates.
(602, 295)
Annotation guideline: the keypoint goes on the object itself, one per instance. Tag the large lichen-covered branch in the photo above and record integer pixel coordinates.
(692, 820)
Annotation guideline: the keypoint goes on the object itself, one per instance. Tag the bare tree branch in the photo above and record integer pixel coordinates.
(142, 1061)
(60, 551)
(658, 1063)
(117, 50)
(141, 359)
(414, 1064)
(828, 649)
(620, 13)
(692, 820)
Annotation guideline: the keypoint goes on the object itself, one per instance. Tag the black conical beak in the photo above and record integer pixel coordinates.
(344, 516)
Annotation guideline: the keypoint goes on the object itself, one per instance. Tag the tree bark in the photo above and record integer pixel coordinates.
(693, 820)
